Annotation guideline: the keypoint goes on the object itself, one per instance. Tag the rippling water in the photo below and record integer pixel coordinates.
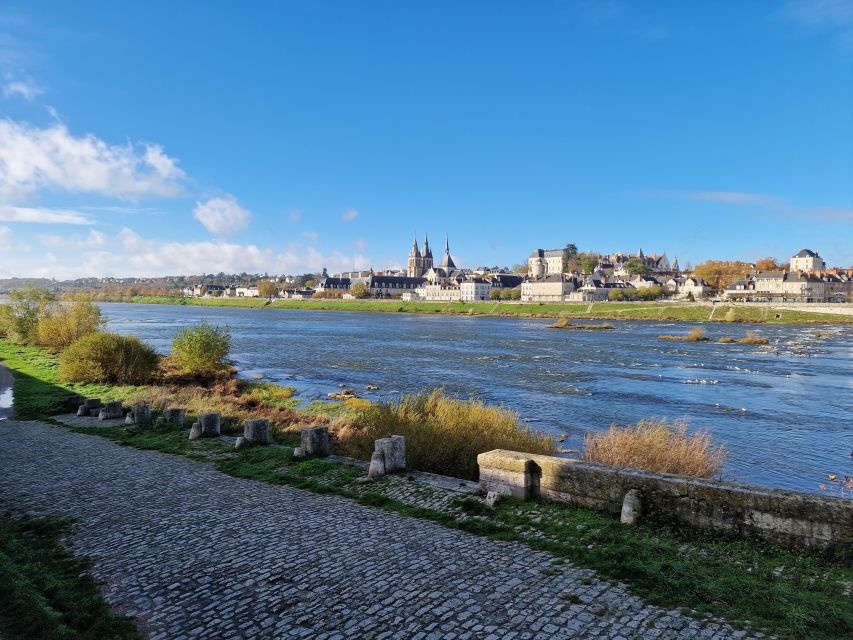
(784, 411)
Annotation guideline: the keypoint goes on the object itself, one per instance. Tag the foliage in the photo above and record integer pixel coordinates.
(637, 267)
(495, 294)
(45, 592)
(655, 445)
(108, 358)
(515, 293)
(61, 325)
(769, 264)
(569, 252)
(751, 338)
(360, 290)
(443, 435)
(697, 334)
(720, 273)
(202, 350)
(19, 317)
(267, 289)
(589, 261)
(650, 293)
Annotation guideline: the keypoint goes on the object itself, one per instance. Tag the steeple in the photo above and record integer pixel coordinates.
(640, 255)
(427, 250)
(414, 252)
(446, 261)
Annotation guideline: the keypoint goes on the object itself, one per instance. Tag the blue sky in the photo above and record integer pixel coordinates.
(158, 138)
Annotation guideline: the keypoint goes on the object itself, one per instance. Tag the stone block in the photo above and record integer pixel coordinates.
(241, 443)
(142, 414)
(175, 416)
(315, 441)
(94, 413)
(632, 507)
(195, 431)
(298, 453)
(493, 498)
(509, 473)
(160, 422)
(72, 403)
(82, 411)
(256, 431)
(128, 419)
(393, 451)
(92, 403)
(112, 411)
(377, 465)
(211, 424)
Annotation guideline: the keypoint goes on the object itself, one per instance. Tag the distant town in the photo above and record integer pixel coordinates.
(549, 275)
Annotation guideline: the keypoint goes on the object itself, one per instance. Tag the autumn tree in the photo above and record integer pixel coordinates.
(768, 264)
(360, 290)
(637, 267)
(721, 273)
(267, 289)
(569, 252)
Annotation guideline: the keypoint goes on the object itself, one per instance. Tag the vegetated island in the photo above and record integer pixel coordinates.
(654, 311)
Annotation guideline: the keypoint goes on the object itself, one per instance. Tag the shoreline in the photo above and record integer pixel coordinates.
(634, 311)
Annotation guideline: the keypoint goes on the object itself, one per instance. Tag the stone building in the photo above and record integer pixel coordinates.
(807, 260)
(545, 262)
(419, 263)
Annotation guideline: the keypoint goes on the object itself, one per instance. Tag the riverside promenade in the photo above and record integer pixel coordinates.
(193, 553)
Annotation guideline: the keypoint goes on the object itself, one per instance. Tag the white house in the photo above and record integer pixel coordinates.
(475, 289)
(553, 288)
(807, 260)
(545, 262)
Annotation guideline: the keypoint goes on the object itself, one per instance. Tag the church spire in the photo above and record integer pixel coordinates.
(427, 250)
(414, 251)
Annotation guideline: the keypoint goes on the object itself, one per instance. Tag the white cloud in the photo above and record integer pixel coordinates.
(349, 215)
(769, 204)
(222, 216)
(42, 215)
(7, 239)
(90, 241)
(25, 89)
(32, 158)
(294, 216)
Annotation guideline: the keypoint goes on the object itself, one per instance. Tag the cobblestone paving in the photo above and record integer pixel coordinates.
(194, 553)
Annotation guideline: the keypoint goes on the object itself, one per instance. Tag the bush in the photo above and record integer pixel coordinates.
(20, 316)
(360, 290)
(443, 435)
(109, 358)
(655, 445)
(64, 324)
(202, 351)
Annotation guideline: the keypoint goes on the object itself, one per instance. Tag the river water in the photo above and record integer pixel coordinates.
(785, 412)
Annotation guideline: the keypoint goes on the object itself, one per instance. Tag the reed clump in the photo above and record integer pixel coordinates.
(727, 340)
(443, 435)
(751, 338)
(656, 445)
(694, 335)
(564, 323)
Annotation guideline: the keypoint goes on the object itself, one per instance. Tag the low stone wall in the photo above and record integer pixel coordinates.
(789, 518)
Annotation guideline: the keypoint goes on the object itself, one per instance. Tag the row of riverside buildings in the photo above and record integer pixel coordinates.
(808, 280)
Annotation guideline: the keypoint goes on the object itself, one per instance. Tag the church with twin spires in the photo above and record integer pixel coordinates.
(421, 263)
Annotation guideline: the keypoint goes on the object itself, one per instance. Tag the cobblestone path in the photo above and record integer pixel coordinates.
(194, 553)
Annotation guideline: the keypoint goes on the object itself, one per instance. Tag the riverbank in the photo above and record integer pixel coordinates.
(655, 311)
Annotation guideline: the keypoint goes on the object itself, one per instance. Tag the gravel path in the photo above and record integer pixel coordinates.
(194, 553)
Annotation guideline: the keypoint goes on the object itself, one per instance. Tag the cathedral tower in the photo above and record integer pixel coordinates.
(416, 261)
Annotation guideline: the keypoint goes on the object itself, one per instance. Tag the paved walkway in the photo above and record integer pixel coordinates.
(193, 553)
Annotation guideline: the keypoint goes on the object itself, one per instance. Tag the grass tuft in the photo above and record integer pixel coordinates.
(696, 334)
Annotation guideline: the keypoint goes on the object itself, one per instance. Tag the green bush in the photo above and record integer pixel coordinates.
(110, 358)
(202, 350)
(19, 318)
(60, 326)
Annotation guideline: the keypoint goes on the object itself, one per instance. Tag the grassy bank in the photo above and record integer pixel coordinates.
(45, 592)
(791, 595)
(661, 311)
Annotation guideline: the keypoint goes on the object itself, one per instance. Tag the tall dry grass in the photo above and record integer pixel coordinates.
(443, 435)
(656, 445)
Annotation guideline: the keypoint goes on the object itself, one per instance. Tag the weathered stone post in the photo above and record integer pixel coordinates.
(195, 431)
(111, 411)
(142, 414)
(210, 424)
(377, 465)
(91, 408)
(632, 507)
(256, 431)
(315, 441)
(175, 416)
(393, 451)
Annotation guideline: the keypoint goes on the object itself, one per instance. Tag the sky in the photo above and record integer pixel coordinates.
(160, 138)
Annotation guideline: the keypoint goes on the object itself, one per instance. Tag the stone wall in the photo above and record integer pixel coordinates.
(789, 518)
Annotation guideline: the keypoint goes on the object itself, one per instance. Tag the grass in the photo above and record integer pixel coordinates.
(696, 334)
(564, 323)
(443, 435)
(751, 338)
(45, 592)
(655, 445)
(663, 311)
(727, 340)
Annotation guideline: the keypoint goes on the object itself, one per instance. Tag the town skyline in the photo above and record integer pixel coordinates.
(500, 128)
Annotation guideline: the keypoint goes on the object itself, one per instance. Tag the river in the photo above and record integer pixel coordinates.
(785, 412)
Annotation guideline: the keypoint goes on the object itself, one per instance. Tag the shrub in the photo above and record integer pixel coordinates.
(360, 290)
(655, 445)
(202, 351)
(110, 358)
(696, 334)
(20, 316)
(727, 340)
(443, 435)
(751, 338)
(62, 325)
(731, 315)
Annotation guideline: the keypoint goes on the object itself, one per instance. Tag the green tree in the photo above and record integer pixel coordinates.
(569, 252)
(515, 294)
(495, 294)
(202, 350)
(637, 267)
(267, 289)
(61, 325)
(19, 318)
(589, 261)
(360, 290)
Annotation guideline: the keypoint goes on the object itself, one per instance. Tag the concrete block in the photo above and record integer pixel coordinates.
(315, 441)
